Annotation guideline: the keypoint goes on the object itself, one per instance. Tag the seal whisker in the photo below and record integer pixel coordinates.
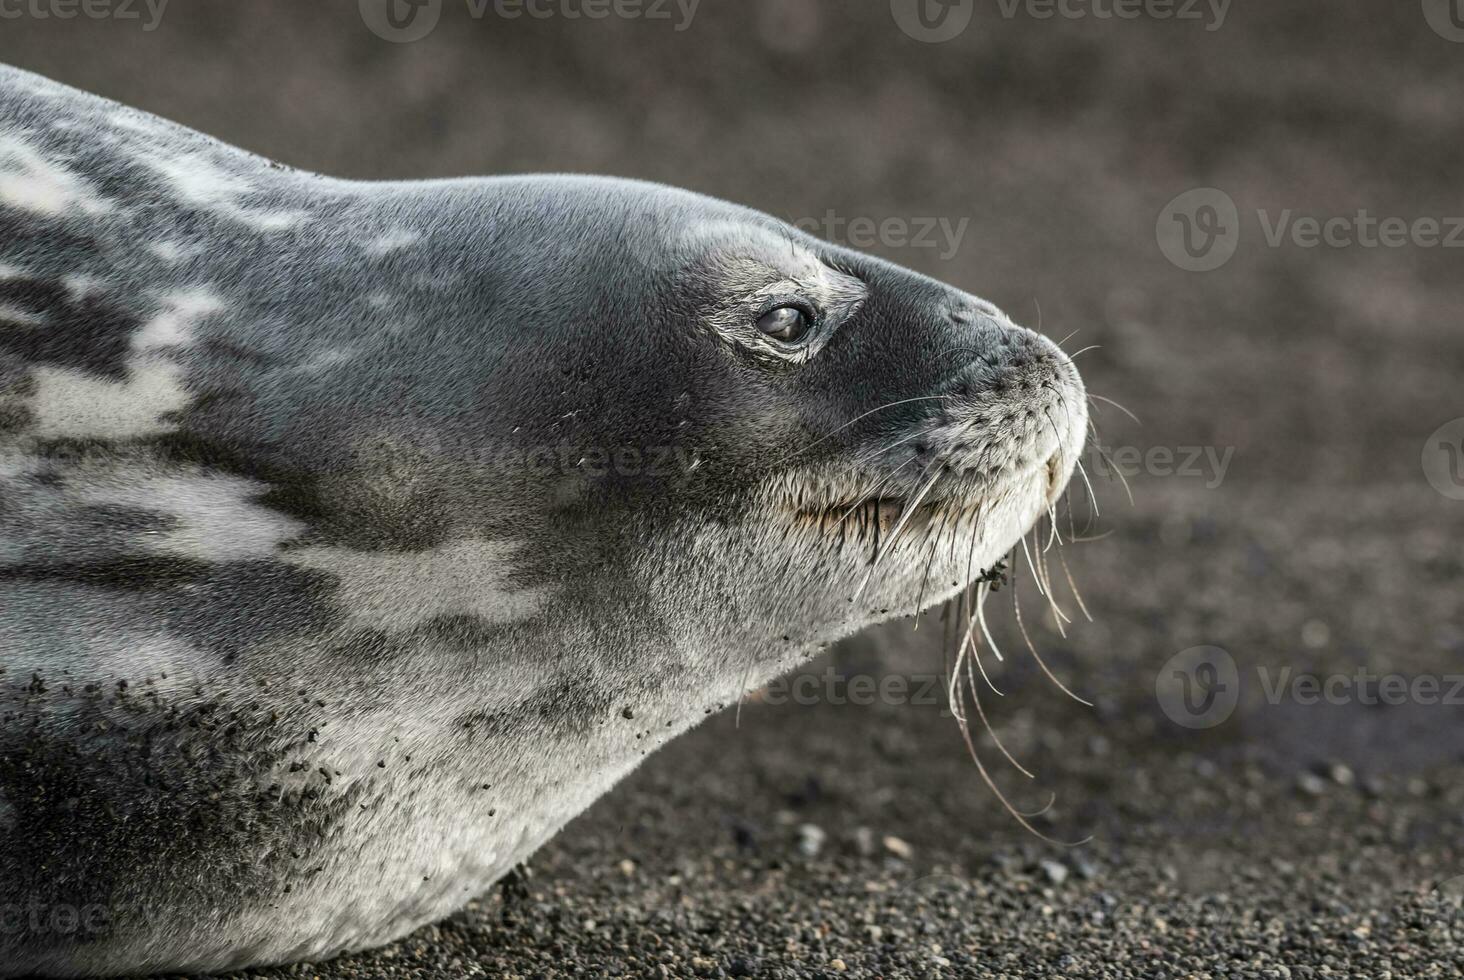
(871, 457)
(1110, 401)
(1060, 616)
(1121, 478)
(925, 578)
(1015, 813)
(1092, 497)
(1032, 648)
(986, 723)
(982, 592)
(969, 640)
(908, 513)
(1032, 565)
(875, 489)
(829, 435)
(1074, 586)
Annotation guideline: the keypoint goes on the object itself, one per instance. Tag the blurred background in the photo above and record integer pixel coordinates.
(1234, 202)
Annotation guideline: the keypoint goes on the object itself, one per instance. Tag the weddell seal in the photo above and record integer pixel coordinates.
(355, 536)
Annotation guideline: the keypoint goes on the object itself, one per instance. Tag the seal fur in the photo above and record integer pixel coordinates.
(356, 536)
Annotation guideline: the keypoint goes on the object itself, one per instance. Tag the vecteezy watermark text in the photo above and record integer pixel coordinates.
(1209, 463)
(934, 21)
(944, 234)
(1200, 687)
(148, 12)
(681, 12)
(411, 20)
(1200, 230)
(1212, 12)
(1362, 686)
(37, 918)
(861, 690)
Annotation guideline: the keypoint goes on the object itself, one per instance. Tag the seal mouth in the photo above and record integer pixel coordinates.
(881, 514)
(960, 497)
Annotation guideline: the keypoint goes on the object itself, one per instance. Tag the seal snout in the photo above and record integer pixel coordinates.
(1018, 407)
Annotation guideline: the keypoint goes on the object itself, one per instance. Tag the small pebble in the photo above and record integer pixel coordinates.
(811, 839)
(898, 848)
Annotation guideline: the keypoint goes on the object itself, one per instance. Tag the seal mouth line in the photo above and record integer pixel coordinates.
(882, 513)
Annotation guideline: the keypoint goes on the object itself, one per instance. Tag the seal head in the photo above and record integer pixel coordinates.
(355, 536)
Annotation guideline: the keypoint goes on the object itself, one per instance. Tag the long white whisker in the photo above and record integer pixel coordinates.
(981, 712)
(875, 489)
(1074, 586)
(1121, 478)
(1032, 565)
(1116, 405)
(1032, 648)
(894, 535)
(857, 418)
(982, 591)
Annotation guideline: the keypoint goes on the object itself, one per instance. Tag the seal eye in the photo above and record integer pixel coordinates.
(785, 323)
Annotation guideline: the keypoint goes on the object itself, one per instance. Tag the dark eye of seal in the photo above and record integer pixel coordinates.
(785, 323)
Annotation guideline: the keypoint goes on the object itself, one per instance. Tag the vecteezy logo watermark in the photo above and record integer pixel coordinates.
(1198, 687)
(895, 232)
(411, 20)
(401, 20)
(932, 21)
(152, 10)
(1446, 17)
(1443, 459)
(1199, 230)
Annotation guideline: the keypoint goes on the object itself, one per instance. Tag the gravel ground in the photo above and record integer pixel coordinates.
(823, 836)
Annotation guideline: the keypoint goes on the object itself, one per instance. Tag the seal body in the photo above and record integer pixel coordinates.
(356, 536)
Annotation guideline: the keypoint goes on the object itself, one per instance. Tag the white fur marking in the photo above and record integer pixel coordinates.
(216, 517)
(172, 252)
(32, 183)
(70, 404)
(79, 287)
(399, 591)
(198, 181)
(390, 242)
(15, 316)
(174, 326)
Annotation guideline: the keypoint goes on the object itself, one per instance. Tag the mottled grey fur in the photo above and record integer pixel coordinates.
(356, 536)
